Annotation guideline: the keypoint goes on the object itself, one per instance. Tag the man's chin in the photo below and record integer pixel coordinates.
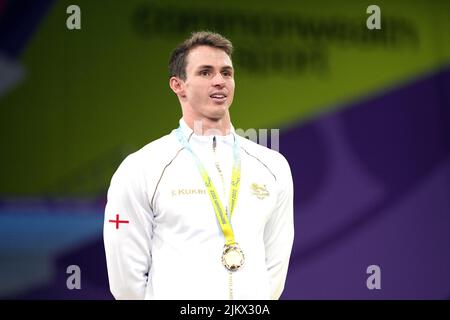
(217, 112)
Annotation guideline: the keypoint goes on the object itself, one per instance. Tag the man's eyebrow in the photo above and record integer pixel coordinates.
(204, 67)
(211, 67)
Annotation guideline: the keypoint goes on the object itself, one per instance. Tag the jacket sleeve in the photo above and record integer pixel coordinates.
(279, 232)
(128, 244)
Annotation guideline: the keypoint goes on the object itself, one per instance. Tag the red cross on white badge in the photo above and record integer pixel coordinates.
(117, 221)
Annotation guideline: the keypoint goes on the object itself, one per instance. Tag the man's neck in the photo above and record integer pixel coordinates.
(207, 127)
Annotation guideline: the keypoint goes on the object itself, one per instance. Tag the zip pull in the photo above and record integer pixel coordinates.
(214, 143)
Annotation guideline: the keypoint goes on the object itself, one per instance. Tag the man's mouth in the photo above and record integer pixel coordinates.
(218, 97)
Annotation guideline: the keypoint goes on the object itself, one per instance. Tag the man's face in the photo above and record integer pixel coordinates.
(209, 84)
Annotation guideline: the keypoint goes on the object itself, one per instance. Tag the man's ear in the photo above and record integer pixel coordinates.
(176, 84)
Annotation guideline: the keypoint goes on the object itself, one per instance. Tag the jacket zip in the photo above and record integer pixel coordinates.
(214, 147)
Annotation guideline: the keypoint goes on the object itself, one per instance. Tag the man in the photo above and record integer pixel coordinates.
(201, 213)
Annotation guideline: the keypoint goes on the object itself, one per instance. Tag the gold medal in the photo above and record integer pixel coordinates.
(232, 257)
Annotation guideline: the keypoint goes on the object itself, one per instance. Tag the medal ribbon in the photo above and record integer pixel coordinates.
(221, 214)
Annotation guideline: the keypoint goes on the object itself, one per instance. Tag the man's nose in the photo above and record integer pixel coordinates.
(218, 80)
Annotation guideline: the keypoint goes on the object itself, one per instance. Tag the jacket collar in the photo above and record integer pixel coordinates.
(193, 137)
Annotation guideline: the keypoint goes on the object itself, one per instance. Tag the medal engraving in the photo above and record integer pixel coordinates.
(232, 257)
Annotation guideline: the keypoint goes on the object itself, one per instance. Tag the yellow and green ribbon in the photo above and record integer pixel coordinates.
(221, 214)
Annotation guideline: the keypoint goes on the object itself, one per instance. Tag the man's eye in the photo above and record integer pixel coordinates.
(226, 74)
(204, 73)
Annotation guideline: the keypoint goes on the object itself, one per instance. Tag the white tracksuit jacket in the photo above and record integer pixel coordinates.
(171, 245)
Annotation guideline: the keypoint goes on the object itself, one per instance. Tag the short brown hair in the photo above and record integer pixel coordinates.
(177, 61)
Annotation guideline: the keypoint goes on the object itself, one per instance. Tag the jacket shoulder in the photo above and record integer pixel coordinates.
(147, 162)
(272, 159)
